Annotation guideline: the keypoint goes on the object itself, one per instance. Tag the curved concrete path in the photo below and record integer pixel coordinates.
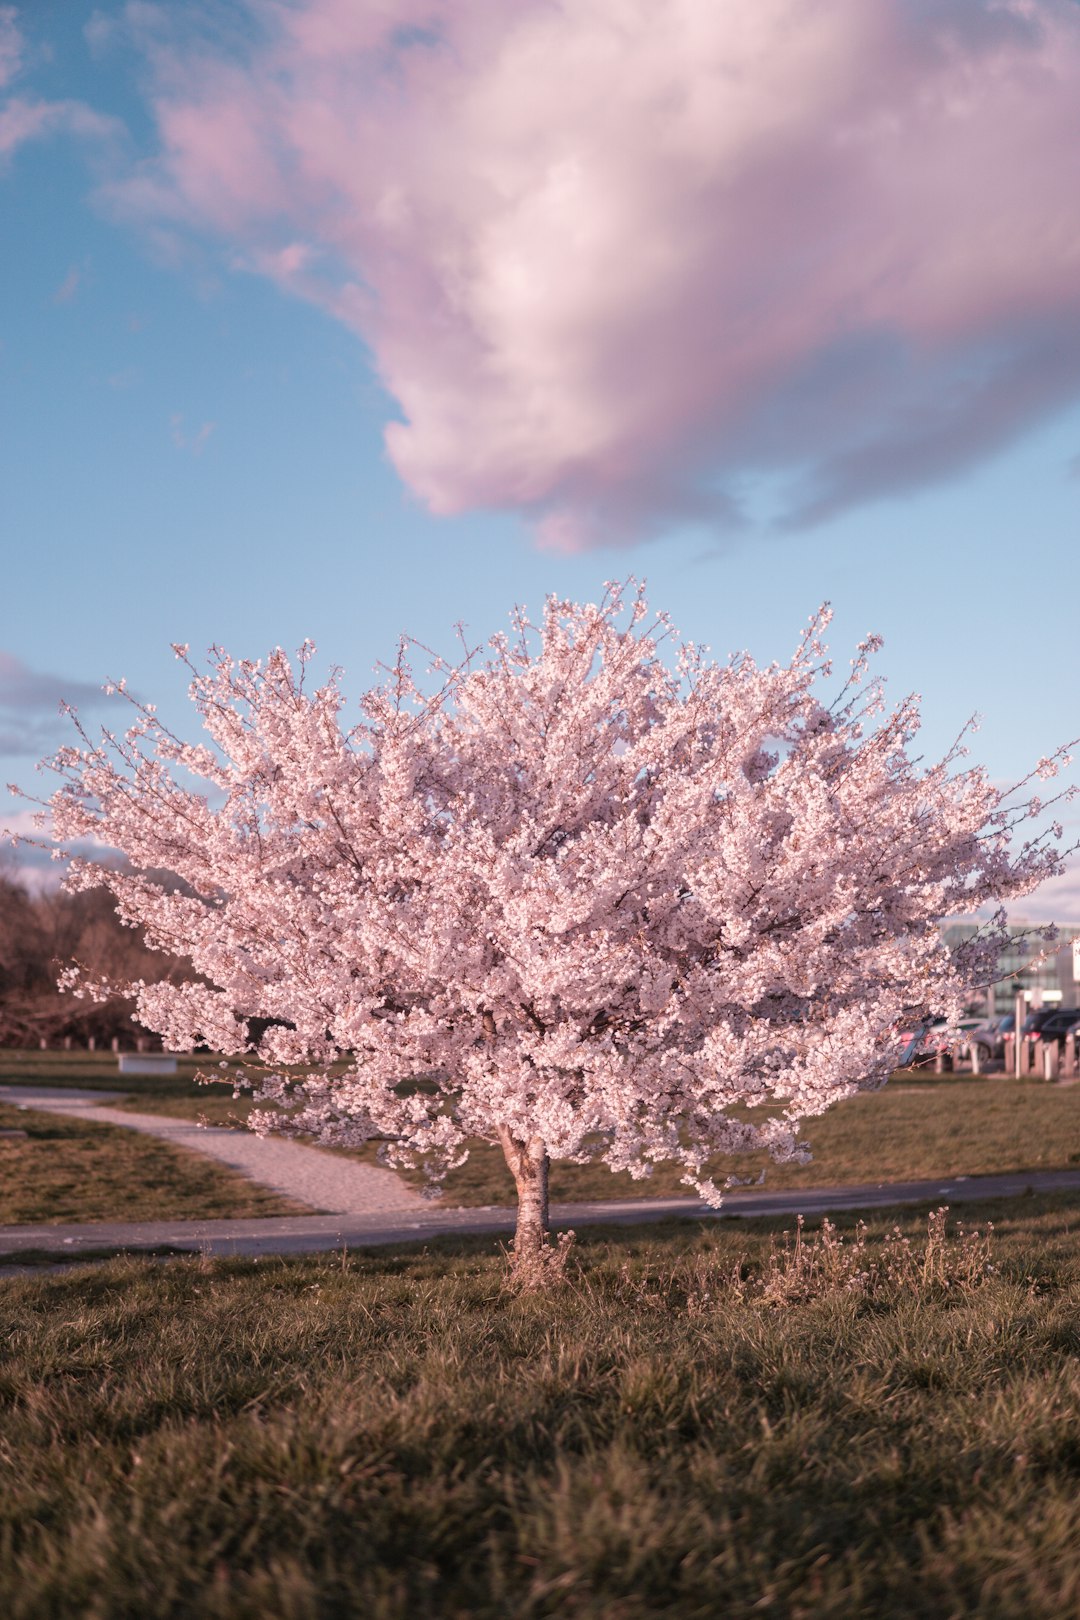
(323, 1181)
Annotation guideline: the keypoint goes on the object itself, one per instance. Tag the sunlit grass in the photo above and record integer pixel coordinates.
(920, 1126)
(68, 1170)
(396, 1435)
(907, 1132)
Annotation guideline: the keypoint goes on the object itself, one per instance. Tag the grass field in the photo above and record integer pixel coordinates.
(911, 1130)
(920, 1126)
(394, 1435)
(908, 1131)
(68, 1170)
(98, 1071)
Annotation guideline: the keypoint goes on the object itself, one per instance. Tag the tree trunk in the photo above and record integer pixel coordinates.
(528, 1163)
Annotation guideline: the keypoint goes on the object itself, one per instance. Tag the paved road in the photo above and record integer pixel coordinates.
(322, 1181)
(308, 1234)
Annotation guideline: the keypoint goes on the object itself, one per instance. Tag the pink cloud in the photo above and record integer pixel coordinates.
(11, 48)
(25, 119)
(68, 287)
(195, 441)
(22, 121)
(615, 257)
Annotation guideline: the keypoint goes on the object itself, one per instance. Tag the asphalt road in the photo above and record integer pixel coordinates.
(311, 1234)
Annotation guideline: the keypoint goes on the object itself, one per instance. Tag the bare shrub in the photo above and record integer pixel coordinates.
(546, 1267)
(827, 1264)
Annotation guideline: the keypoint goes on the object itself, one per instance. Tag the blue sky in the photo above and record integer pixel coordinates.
(194, 451)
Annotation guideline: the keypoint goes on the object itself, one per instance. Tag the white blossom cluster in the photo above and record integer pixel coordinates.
(584, 895)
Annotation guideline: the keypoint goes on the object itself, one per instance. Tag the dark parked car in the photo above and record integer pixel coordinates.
(1055, 1024)
(989, 1037)
(1048, 1023)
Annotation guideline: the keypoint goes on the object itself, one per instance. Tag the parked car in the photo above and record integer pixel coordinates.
(1055, 1024)
(1047, 1023)
(927, 1040)
(989, 1036)
(1037, 1021)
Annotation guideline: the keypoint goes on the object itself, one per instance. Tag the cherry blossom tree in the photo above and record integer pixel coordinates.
(591, 896)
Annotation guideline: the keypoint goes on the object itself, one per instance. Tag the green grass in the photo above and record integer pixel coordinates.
(917, 1128)
(920, 1126)
(215, 1108)
(68, 1170)
(18, 1261)
(395, 1435)
(98, 1071)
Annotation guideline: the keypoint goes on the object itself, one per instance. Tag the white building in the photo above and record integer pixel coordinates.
(1052, 982)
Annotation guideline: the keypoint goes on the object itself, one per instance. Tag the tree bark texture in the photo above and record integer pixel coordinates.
(528, 1164)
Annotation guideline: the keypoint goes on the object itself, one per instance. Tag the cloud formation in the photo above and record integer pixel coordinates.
(1057, 900)
(195, 441)
(618, 259)
(24, 118)
(68, 287)
(30, 703)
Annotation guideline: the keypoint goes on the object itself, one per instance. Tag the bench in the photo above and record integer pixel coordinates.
(146, 1063)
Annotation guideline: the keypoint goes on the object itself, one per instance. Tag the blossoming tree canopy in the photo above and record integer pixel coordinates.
(597, 898)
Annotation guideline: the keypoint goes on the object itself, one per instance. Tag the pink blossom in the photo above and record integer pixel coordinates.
(584, 900)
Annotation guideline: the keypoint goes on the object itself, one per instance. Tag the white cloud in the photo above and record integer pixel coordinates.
(616, 258)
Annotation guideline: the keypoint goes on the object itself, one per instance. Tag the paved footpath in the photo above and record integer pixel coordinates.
(311, 1234)
(321, 1180)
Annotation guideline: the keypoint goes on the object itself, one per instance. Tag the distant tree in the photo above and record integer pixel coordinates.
(23, 960)
(43, 932)
(581, 902)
